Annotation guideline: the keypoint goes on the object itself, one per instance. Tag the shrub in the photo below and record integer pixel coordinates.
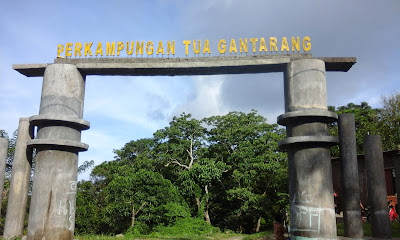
(139, 229)
(185, 226)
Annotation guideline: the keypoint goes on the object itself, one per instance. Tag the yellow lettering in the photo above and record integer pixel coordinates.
(196, 50)
(232, 46)
(222, 46)
(130, 52)
(206, 47)
(186, 43)
(160, 48)
(253, 43)
(306, 44)
(60, 49)
(263, 45)
(284, 45)
(110, 49)
(295, 44)
(78, 48)
(68, 49)
(87, 49)
(99, 49)
(243, 45)
(120, 47)
(139, 47)
(171, 47)
(272, 44)
(149, 48)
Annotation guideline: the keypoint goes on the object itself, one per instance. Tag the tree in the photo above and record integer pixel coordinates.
(86, 165)
(11, 149)
(141, 196)
(257, 170)
(128, 191)
(390, 121)
(366, 121)
(182, 148)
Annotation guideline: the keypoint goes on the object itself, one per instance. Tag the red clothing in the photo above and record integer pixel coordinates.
(393, 214)
(279, 231)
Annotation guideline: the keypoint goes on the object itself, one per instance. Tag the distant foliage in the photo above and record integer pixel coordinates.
(383, 121)
(390, 121)
(366, 121)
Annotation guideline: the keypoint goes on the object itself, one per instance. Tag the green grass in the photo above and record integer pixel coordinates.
(258, 235)
(211, 236)
(368, 231)
(216, 236)
(396, 229)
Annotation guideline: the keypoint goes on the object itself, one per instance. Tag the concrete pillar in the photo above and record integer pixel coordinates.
(349, 174)
(312, 211)
(376, 183)
(19, 184)
(3, 159)
(396, 162)
(52, 209)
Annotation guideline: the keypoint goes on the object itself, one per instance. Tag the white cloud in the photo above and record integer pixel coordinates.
(206, 100)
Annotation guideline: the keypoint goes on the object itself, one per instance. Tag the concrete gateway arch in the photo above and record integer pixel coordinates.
(59, 125)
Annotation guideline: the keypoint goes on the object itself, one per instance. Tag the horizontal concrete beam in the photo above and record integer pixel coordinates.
(185, 66)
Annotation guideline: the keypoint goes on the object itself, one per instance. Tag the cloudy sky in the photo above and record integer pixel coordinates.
(121, 109)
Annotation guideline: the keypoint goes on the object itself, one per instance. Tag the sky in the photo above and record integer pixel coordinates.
(121, 109)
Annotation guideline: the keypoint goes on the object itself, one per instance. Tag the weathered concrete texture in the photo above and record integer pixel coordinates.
(377, 187)
(305, 85)
(350, 180)
(397, 178)
(52, 211)
(19, 184)
(3, 159)
(312, 212)
(185, 66)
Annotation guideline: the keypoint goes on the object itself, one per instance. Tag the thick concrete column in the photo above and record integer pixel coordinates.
(19, 184)
(52, 209)
(349, 174)
(396, 162)
(376, 183)
(3, 159)
(312, 211)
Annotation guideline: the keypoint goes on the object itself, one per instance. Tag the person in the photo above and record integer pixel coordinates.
(365, 213)
(279, 229)
(393, 214)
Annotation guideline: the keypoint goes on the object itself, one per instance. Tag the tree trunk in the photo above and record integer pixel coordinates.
(198, 203)
(206, 214)
(258, 225)
(133, 216)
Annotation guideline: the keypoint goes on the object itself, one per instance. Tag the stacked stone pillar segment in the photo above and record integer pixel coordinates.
(349, 176)
(19, 183)
(376, 184)
(3, 160)
(307, 144)
(58, 142)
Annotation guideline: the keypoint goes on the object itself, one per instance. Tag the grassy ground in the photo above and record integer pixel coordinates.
(368, 231)
(213, 236)
(182, 237)
(230, 236)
